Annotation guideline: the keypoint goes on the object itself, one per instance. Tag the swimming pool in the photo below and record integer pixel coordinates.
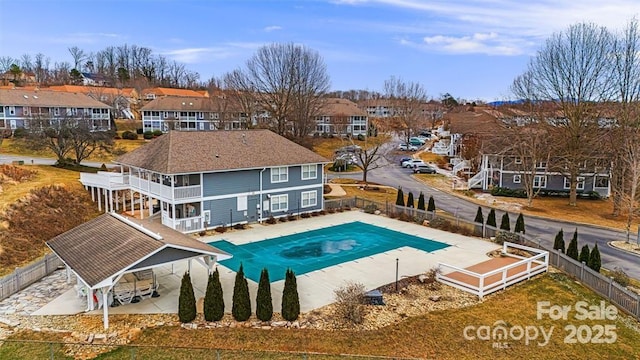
(317, 249)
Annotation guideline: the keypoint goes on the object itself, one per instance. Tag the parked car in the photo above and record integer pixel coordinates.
(403, 159)
(416, 141)
(349, 158)
(349, 149)
(424, 169)
(409, 147)
(413, 162)
(425, 133)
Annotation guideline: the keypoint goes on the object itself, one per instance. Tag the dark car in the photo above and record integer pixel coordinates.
(403, 159)
(424, 169)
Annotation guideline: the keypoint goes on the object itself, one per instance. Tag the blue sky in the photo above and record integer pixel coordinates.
(472, 49)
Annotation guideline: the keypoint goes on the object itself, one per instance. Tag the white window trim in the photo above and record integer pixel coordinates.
(280, 174)
(542, 181)
(12, 110)
(279, 201)
(311, 169)
(314, 198)
(595, 182)
(517, 179)
(518, 160)
(579, 183)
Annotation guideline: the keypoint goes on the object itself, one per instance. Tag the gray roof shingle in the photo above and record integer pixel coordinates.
(179, 152)
(106, 245)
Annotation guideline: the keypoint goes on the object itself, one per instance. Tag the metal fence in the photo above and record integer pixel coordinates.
(625, 299)
(21, 349)
(27, 275)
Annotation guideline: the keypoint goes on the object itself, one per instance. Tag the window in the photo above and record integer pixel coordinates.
(579, 184)
(279, 203)
(242, 203)
(601, 182)
(279, 174)
(56, 111)
(517, 179)
(309, 172)
(309, 198)
(539, 181)
(201, 125)
(25, 111)
(541, 165)
(518, 161)
(12, 110)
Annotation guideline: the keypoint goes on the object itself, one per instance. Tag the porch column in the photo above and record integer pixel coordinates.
(141, 206)
(150, 206)
(110, 200)
(106, 203)
(173, 216)
(132, 205)
(117, 202)
(105, 307)
(93, 196)
(99, 199)
(68, 272)
(124, 201)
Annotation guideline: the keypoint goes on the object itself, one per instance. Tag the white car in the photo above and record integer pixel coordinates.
(407, 147)
(412, 163)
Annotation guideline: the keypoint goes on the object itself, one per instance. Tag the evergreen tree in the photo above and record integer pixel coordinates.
(431, 207)
(186, 300)
(400, 198)
(519, 224)
(410, 202)
(506, 223)
(572, 249)
(213, 299)
(479, 217)
(558, 243)
(421, 201)
(584, 255)
(594, 259)
(491, 218)
(241, 307)
(290, 300)
(264, 304)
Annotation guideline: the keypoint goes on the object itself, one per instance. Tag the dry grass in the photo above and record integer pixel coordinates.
(382, 194)
(327, 147)
(438, 334)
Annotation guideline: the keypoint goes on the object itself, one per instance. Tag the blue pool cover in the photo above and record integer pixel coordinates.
(317, 249)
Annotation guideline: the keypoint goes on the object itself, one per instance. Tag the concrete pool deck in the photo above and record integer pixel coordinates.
(316, 288)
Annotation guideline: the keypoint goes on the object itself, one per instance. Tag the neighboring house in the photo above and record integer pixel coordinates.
(119, 99)
(158, 92)
(493, 165)
(200, 180)
(19, 106)
(193, 113)
(341, 117)
(383, 108)
(93, 79)
(21, 79)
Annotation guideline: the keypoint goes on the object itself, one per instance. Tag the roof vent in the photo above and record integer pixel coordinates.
(183, 104)
(244, 139)
(191, 103)
(217, 156)
(35, 96)
(25, 96)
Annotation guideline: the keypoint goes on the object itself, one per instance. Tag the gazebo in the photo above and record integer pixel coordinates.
(111, 248)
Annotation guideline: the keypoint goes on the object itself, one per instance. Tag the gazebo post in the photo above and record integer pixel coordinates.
(105, 306)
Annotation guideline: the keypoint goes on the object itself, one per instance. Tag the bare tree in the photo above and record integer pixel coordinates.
(406, 100)
(78, 56)
(286, 80)
(83, 141)
(571, 72)
(6, 62)
(41, 68)
(370, 156)
(26, 63)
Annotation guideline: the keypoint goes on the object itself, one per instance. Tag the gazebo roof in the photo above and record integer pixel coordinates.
(110, 244)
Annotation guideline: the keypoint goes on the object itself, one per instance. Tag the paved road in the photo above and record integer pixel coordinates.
(543, 229)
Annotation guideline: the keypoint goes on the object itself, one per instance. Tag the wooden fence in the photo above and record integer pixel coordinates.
(27, 275)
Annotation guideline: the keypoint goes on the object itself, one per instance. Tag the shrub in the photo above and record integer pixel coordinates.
(148, 135)
(558, 243)
(290, 300)
(584, 254)
(360, 137)
(505, 224)
(431, 207)
(221, 229)
(139, 131)
(331, 210)
(283, 219)
(291, 217)
(440, 223)
(572, 249)
(430, 279)
(240, 226)
(157, 133)
(241, 307)
(264, 304)
(421, 201)
(400, 197)
(129, 135)
(305, 215)
(213, 298)
(20, 133)
(491, 218)
(519, 224)
(410, 201)
(405, 217)
(349, 303)
(618, 275)
(503, 191)
(321, 212)
(370, 209)
(594, 259)
(186, 300)
(346, 207)
(506, 236)
(479, 217)
(271, 220)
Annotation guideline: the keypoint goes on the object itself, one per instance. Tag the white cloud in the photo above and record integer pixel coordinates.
(272, 28)
(197, 55)
(85, 38)
(479, 43)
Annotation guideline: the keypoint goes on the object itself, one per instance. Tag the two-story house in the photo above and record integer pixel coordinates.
(205, 179)
(193, 113)
(159, 92)
(18, 107)
(119, 99)
(341, 117)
